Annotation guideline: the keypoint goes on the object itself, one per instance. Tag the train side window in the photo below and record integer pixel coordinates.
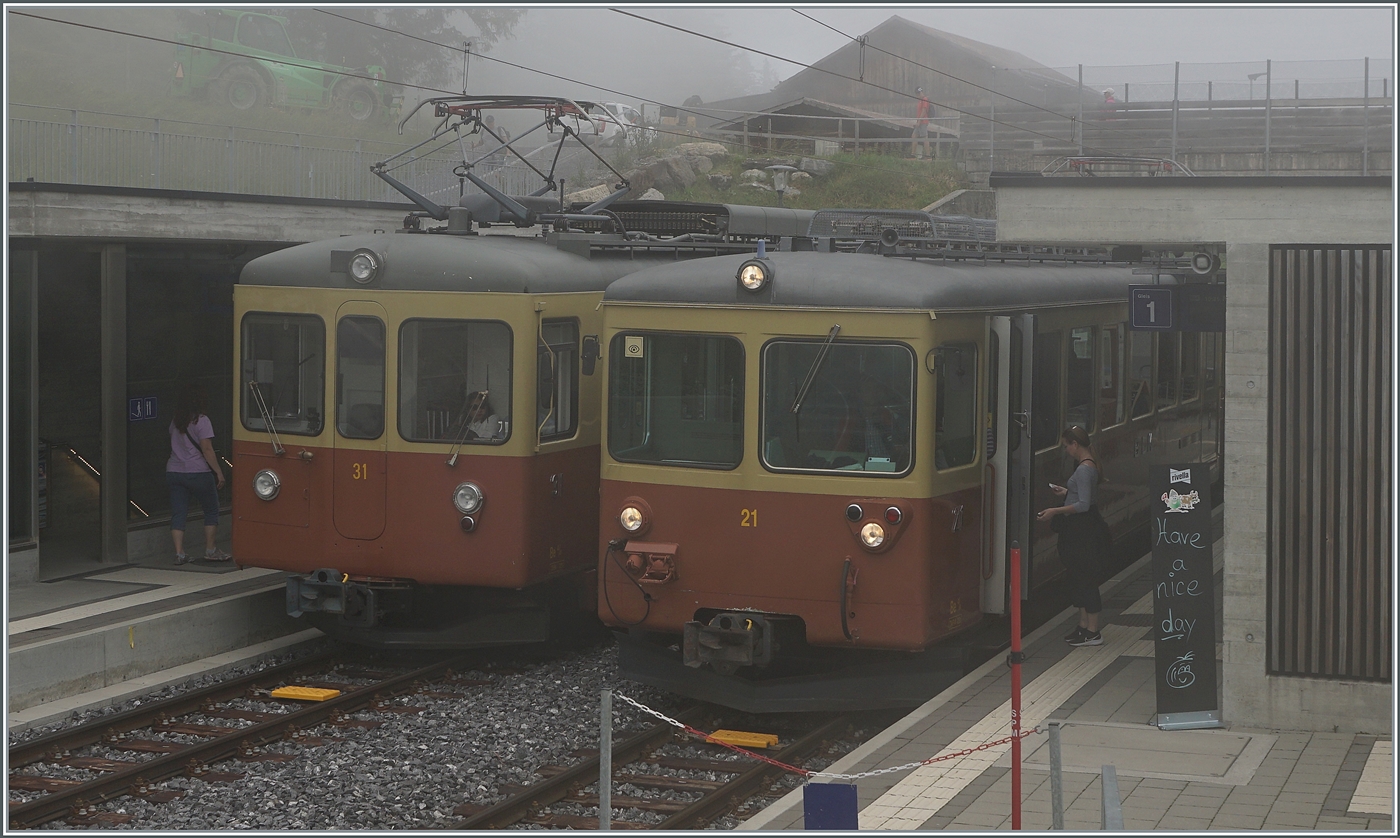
(1190, 366)
(557, 366)
(359, 377)
(1079, 379)
(284, 372)
(1110, 378)
(1168, 372)
(1140, 373)
(1209, 368)
(1045, 391)
(855, 415)
(955, 422)
(676, 399)
(455, 381)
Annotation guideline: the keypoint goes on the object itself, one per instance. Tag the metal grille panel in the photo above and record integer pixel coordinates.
(1330, 411)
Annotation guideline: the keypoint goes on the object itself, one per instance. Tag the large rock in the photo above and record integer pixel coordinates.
(719, 180)
(588, 196)
(651, 195)
(713, 151)
(816, 166)
(673, 173)
(753, 175)
(701, 165)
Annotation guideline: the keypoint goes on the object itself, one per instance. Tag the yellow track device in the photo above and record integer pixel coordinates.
(304, 693)
(743, 739)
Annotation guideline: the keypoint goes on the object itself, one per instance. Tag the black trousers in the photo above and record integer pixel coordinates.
(1083, 546)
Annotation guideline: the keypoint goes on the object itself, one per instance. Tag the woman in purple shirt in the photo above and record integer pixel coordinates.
(193, 469)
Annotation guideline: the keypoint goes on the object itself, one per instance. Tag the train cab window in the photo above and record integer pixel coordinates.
(841, 407)
(1110, 377)
(455, 381)
(1079, 379)
(1168, 374)
(557, 367)
(955, 422)
(1045, 391)
(1140, 373)
(359, 377)
(676, 400)
(1190, 366)
(284, 373)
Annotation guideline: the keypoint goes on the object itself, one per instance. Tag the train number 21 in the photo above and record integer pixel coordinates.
(748, 517)
(359, 471)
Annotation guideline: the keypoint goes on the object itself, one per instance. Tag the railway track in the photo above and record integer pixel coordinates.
(192, 733)
(555, 802)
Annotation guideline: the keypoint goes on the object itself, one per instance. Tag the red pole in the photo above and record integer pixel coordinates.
(1015, 660)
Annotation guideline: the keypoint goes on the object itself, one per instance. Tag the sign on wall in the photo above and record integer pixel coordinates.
(141, 408)
(1183, 596)
(1176, 308)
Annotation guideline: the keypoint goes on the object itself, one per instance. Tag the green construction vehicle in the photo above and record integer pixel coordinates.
(245, 60)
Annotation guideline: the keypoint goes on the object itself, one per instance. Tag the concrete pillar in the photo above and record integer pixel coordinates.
(114, 407)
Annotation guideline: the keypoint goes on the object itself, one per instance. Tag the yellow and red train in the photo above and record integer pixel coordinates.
(815, 462)
(418, 416)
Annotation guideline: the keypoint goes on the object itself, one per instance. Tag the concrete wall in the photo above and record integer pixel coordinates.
(1249, 215)
(130, 215)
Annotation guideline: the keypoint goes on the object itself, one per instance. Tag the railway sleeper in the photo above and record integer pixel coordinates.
(579, 822)
(646, 804)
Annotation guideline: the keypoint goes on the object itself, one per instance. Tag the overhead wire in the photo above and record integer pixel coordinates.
(844, 77)
(959, 79)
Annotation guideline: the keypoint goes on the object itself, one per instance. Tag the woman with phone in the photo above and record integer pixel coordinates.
(1083, 535)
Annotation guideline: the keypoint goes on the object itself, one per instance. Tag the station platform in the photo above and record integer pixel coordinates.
(103, 634)
(1233, 778)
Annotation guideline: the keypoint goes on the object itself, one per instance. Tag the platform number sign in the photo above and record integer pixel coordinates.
(141, 409)
(1151, 307)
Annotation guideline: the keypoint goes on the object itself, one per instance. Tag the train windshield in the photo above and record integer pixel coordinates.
(454, 381)
(676, 400)
(856, 416)
(284, 364)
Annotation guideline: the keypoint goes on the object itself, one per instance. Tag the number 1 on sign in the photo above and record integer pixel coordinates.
(1152, 311)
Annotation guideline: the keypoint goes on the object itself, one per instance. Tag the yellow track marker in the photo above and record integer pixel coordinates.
(304, 693)
(743, 739)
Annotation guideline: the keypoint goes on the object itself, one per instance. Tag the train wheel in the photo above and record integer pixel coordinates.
(242, 89)
(357, 100)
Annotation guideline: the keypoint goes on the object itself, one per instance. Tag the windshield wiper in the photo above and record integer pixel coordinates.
(816, 365)
(266, 415)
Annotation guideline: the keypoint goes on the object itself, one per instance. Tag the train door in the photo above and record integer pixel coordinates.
(361, 437)
(1008, 469)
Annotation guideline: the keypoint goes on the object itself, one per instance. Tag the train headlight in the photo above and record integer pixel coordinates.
(754, 275)
(364, 266)
(468, 498)
(872, 535)
(631, 518)
(266, 484)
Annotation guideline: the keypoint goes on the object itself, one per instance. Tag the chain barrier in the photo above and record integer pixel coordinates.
(909, 766)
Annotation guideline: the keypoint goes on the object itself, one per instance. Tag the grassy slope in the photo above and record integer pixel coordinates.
(863, 180)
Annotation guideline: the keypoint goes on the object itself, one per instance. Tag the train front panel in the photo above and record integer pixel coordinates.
(430, 438)
(770, 463)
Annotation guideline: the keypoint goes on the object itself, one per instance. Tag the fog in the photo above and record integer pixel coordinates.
(604, 54)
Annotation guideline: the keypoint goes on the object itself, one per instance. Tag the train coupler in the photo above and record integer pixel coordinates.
(329, 591)
(728, 641)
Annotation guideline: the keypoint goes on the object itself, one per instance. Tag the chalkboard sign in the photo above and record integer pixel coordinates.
(1183, 596)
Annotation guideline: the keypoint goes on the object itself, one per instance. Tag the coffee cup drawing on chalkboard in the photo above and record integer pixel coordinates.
(1181, 503)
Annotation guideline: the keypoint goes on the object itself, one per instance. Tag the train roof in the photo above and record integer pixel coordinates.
(420, 262)
(857, 280)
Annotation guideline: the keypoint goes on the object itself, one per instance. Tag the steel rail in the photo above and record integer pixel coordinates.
(139, 717)
(713, 804)
(118, 784)
(556, 788)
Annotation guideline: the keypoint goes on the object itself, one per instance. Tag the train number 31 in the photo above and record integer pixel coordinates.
(359, 471)
(748, 517)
